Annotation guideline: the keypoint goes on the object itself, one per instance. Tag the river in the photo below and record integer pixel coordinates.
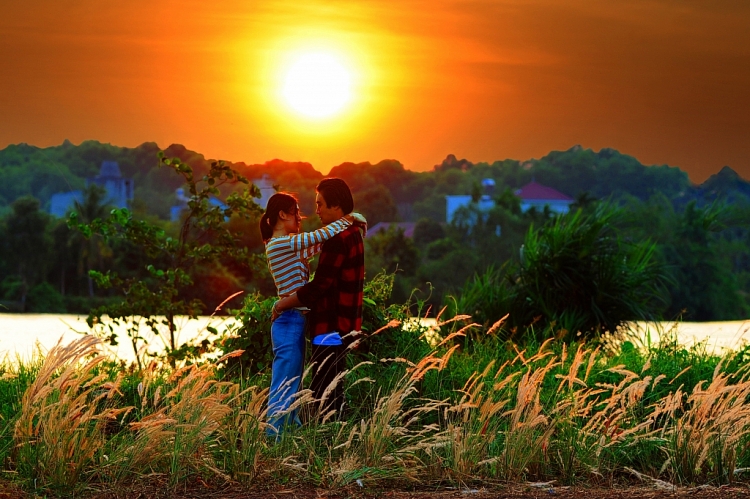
(23, 334)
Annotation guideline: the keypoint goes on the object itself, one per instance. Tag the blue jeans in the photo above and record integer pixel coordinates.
(288, 339)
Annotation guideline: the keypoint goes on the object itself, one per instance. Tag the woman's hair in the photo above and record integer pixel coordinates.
(335, 192)
(281, 201)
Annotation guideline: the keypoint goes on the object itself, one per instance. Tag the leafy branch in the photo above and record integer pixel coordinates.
(204, 236)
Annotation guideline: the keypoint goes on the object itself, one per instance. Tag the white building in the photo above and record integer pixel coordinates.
(119, 190)
(265, 184)
(453, 203)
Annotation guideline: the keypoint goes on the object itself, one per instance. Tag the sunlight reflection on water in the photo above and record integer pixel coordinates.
(21, 333)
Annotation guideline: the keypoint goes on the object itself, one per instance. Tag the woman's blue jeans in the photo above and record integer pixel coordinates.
(288, 339)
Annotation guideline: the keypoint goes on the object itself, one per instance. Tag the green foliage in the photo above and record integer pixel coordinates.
(377, 309)
(25, 245)
(251, 333)
(376, 204)
(10, 288)
(204, 238)
(508, 201)
(447, 266)
(486, 297)
(91, 250)
(390, 250)
(427, 231)
(704, 249)
(575, 275)
(705, 289)
(578, 274)
(45, 298)
(709, 265)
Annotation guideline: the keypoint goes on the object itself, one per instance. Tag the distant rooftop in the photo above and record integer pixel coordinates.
(536, 191)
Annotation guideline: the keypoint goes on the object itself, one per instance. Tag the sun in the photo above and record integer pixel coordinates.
(317, 85)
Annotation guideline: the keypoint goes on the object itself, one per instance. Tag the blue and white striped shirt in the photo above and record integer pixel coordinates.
(288, 255)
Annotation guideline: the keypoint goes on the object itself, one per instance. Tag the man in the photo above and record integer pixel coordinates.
(334, 295)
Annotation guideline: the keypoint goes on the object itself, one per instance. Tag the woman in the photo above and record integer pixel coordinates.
(287, 253)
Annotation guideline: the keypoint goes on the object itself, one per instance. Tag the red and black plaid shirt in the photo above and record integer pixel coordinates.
(335, 293)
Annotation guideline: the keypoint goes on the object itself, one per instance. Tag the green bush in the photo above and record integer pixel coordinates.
(45, 298)
(486, 297)
(10, 288)
(252, 334)
(576, 276)
(377, 313)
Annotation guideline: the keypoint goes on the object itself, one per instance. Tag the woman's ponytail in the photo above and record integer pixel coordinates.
(266, 231)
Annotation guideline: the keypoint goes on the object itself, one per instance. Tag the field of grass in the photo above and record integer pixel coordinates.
(472, 410)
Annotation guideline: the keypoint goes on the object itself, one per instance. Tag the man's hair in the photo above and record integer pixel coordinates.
(335, 192)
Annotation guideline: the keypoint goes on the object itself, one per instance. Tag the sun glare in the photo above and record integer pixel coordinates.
(317, 85)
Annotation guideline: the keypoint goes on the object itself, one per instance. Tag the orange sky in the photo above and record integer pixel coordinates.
(667, 81)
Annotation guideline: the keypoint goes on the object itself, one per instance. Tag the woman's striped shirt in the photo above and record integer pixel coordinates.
(288, 255)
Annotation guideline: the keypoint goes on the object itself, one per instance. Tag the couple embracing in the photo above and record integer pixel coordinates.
(329, 306)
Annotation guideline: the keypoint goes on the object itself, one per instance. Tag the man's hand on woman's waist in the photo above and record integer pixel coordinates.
(284, 304)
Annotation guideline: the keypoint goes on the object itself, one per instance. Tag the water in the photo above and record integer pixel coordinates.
(22, 334)
(717, 337)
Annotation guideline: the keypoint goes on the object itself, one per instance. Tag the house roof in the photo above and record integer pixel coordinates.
(408, 228)
(534, 191)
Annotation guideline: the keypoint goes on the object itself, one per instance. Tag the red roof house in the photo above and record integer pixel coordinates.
(538, 196)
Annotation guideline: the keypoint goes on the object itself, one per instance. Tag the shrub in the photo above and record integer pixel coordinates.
(252, 334)
(578, 274)
(64, 414)
(486, 297)
(45, 298)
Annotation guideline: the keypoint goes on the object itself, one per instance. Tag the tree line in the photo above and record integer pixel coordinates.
(699, 232)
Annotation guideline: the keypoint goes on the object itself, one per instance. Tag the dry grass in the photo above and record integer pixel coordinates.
(64, 415)
(533, 417)
(178, 431)
(706, 429)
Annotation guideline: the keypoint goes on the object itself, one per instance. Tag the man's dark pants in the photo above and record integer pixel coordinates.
(328, 362)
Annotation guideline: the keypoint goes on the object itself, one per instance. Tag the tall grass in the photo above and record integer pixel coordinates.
(177, 429)
(574, 413)
(64, 415)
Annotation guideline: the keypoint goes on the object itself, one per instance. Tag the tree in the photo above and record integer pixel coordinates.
(26, 244)
(64, 255)
(91, 249)
(158, 295)
(427, 231)
(705, 288)
(584, 201)
(508, 201)
(390, 250)
(575, 275)
(376, 204)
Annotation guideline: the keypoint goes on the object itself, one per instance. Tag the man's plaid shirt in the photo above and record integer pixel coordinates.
(335, 293)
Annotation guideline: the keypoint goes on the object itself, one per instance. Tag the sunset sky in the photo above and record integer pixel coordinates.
(667, 81)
